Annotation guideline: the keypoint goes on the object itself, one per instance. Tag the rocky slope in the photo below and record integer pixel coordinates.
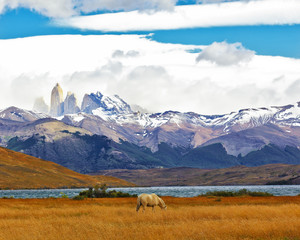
(78, 149)
(20, 115)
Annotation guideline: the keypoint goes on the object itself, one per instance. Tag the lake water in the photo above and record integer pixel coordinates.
(187, 191)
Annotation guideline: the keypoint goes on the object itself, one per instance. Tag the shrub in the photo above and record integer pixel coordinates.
(242, 192)
(100, 192)
(78, 197)
(11, 197)
(63, 195)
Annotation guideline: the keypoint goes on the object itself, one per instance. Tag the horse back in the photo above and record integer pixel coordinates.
(148, 199)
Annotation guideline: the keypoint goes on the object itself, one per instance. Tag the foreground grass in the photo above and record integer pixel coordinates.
(186, 218)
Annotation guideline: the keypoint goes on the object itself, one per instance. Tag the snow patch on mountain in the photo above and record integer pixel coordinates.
(103, 106)
(289, 113)
(114, 109)
(21, 115)
(78, 118)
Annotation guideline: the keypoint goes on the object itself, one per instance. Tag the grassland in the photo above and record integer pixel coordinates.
(186, 218)
(21, 171)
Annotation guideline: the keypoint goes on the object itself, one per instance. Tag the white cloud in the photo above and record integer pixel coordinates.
(67, 8)
(236, 13)
(121, 54)
(293, 89)
(53, 8)
(225, 54)
(126, 5)
(220, 1)
(162, 77)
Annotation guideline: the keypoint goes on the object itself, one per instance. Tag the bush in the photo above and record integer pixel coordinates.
(242, 192)
(63, 195)
(100, 192)
(11, 197)
(78, 197)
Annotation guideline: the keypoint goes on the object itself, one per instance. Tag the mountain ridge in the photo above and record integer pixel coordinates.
(278, 174)
(148, 140)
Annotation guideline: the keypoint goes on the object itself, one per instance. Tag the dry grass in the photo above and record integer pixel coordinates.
(186, 218)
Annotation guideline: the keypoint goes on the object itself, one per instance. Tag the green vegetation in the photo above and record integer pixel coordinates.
(271, 154)
(242, 192)
(63, 195)
(211, 156)
(142, 155)
(100, 192)
(11, 197)
(283, 182)
(17, 145)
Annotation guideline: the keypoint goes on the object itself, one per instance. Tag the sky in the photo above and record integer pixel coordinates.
(209, 57)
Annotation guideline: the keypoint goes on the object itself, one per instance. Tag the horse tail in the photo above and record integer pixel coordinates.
(138, 205)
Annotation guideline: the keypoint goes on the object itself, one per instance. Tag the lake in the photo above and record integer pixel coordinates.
(176, 191)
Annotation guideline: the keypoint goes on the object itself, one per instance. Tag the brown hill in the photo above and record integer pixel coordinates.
(241, 175)
(21, 171)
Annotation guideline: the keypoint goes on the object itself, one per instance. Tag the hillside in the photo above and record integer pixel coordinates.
(241, 175)
(21, 171)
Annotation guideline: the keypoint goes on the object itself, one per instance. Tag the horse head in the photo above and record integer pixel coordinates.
(162, 204)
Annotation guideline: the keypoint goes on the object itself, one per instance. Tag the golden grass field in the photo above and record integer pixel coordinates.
(185, 218)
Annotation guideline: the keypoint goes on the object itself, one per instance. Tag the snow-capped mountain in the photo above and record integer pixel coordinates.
(116, 110)
(21, 115)
(240, 132)
(107, 133)
(114, 118)
(104, 106)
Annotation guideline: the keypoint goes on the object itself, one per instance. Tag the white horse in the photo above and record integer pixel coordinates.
(149, 200)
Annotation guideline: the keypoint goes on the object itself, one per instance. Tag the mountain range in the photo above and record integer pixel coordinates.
(105, 133)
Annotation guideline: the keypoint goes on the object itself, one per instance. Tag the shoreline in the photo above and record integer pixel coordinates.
(175, 191)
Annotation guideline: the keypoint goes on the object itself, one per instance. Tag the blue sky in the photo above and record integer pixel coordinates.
(229, 54)
(275, 40)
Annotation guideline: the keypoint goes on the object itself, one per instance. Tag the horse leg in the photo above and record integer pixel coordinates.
(153, 210)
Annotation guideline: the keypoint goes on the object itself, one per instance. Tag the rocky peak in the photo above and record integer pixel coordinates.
(70, 104)
(56, 108)
(108, 105)
(89, 103)
(40, 105)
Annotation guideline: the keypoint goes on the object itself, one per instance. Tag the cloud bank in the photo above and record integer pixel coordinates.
(67, 8)
(153, 75)
(237, 13)
(53, 8)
